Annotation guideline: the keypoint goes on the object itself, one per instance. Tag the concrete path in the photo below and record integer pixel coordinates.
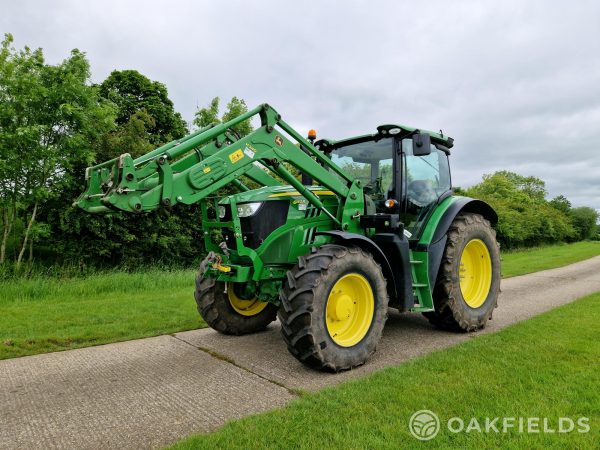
(151, 392)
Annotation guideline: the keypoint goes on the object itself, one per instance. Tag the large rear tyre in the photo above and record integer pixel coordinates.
(333, 307)
(225, 308)
(468, 284)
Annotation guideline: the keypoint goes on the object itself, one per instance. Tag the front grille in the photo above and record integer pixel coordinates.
(271, 215)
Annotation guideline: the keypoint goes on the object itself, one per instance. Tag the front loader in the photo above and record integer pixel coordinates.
(336, 232)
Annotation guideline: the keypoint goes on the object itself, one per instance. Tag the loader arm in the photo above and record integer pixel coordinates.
(192, 168)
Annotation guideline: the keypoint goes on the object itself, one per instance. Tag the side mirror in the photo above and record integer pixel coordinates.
(421, 144)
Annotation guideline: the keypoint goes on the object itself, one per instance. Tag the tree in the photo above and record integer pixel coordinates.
(533, 187)
(561, 203)
(50, 119)
(133, 92)
(525, 216)
(584, 221)
(145, 120)
(210, 115)
(133, 137)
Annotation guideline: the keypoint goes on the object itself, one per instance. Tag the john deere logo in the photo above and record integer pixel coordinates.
(424, 425)
(279, 140)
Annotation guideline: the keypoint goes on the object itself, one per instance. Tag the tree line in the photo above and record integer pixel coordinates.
(54, 123)
(525, 216)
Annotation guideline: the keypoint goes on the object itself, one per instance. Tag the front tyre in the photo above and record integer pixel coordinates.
(468, 283)
(333, 307)
(225, 308)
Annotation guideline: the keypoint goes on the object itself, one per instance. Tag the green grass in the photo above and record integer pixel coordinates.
(45, 314)
(521, 262)
(543, 367)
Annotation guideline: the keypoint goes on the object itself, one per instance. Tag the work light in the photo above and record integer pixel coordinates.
(248, 209)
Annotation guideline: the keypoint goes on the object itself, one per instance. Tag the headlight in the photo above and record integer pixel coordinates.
(248, 209)
(222, 212)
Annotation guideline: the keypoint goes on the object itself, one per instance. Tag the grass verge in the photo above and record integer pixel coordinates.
(545, 367)
(46, 314)
(521, 262)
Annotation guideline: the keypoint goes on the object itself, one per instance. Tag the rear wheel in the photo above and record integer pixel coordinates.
(333, 307)
(468, 283)
(227, 308)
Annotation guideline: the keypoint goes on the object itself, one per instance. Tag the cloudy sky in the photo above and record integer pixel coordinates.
(516, 83)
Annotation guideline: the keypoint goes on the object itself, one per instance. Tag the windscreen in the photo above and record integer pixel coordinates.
(370, 162)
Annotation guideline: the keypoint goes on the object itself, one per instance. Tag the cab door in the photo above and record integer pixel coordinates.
(423, 180)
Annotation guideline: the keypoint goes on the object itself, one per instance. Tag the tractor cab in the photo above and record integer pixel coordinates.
(402, 170)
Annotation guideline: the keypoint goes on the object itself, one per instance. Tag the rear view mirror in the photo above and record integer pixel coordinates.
(421, 144)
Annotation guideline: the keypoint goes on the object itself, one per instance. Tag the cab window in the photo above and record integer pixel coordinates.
(426, 178)
(372, 163)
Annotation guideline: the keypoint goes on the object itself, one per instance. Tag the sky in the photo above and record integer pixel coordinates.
(515, 83)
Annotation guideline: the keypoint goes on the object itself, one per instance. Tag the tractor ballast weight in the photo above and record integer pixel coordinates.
(375, 224)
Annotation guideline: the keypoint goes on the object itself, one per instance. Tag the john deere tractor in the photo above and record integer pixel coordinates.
(331, 234)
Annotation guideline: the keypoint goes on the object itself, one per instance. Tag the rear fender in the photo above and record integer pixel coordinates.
(439, 226)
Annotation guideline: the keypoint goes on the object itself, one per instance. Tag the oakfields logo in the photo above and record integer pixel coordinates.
(425, 425)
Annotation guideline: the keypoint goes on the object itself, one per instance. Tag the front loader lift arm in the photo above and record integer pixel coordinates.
(192, 168)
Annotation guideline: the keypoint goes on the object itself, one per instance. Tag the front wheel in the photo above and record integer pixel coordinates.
(333, 307)
(468, 283)
(227, 308)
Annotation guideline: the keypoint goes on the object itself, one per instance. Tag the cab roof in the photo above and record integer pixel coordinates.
(383, 131)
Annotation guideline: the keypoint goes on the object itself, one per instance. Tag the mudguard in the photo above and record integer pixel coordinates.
(399, 281)
(436, 246)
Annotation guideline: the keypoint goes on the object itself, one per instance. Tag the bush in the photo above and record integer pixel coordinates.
(584, 222)
(526, 218)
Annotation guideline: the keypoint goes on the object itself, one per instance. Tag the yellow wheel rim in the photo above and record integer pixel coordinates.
(349, 310)
(250, 307)
(475, 273)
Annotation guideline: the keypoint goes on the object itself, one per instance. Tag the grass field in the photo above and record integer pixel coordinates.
(45, 314)
(545, 367)
(521, 262)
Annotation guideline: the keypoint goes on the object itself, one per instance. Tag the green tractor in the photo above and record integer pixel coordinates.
(335, 233)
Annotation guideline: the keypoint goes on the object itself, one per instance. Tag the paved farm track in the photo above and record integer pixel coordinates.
(151, 392)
